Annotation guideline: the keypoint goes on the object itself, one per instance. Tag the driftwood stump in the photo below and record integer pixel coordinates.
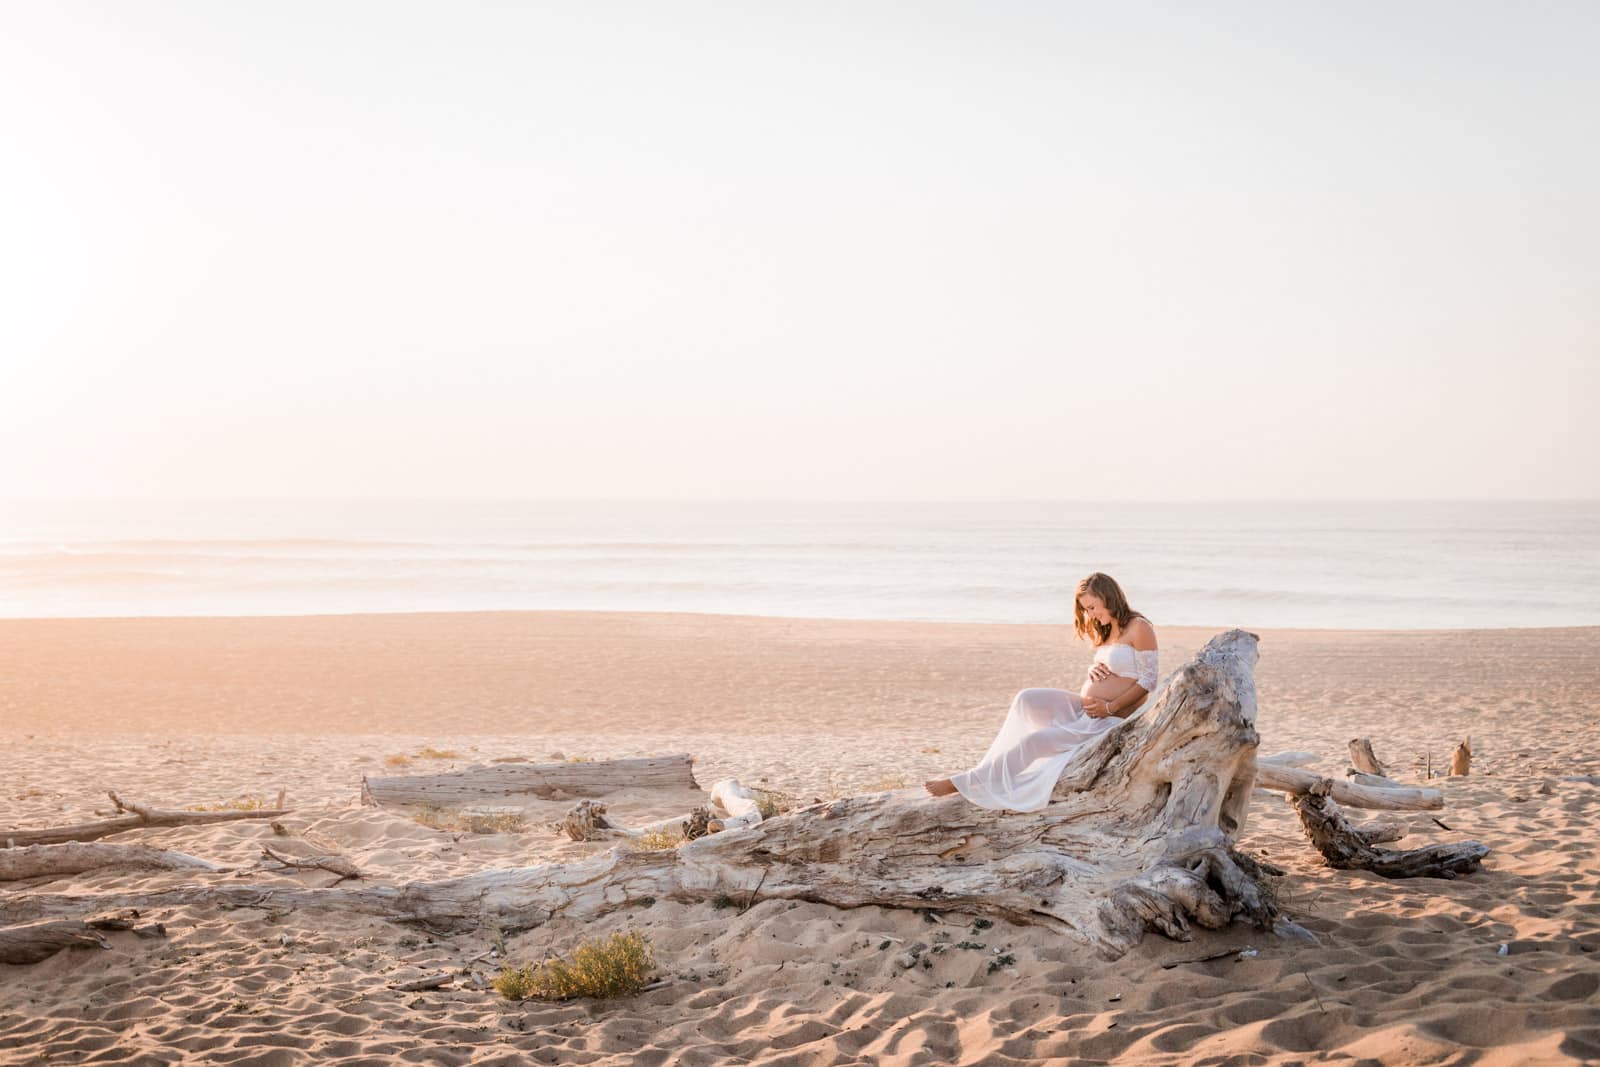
(1363, 759)
(1138, 835)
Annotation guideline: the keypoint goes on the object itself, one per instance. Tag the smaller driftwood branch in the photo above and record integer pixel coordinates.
(134, 817)
(1393, 798)
(1347, 848)
(74, 857)
(1289, 759)
(333, 864)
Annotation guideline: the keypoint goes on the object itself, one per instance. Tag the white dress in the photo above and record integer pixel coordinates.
(1043, 730)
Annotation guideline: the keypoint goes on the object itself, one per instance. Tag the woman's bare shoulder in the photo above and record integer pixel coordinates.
(1141, 634)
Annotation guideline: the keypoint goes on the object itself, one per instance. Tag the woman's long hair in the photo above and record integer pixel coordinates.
(1106, 588)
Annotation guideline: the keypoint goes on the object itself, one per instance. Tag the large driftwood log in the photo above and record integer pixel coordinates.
(51, 861)
(1347, 848)
(1403, 798)
(546, 781)
(135, 817)
(1137, 836)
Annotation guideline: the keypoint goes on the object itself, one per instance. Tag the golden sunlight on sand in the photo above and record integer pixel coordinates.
(1501, 967)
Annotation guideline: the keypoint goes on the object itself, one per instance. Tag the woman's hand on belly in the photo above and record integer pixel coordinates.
(1106, 689)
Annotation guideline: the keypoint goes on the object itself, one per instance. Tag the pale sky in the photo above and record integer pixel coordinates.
(841, 251)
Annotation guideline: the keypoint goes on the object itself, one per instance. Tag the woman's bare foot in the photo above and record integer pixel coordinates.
(939, 787)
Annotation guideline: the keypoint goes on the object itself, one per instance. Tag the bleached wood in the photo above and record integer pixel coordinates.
(1289, 759)
(742, 805)
(1365, 760)
(135, 816)
(544, 781)
(1377, 781)
(1137, 836)
(1404, 798)
(1461, 759)
(51, 861)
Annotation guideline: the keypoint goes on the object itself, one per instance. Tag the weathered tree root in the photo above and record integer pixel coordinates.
(1347, 848)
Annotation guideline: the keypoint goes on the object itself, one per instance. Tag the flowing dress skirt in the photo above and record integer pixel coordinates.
(1042, 731)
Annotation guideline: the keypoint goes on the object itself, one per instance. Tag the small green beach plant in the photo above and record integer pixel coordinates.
(616, 966)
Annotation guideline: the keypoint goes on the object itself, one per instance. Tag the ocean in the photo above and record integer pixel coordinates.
(1363, 565)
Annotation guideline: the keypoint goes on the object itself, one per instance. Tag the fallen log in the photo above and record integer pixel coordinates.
(1346, 848)
(52, 861)
(1289, 759)
(1404, 798)
(546, 781)
(35, 941)
(1138, 835)
(1365, 761)
(136, 817)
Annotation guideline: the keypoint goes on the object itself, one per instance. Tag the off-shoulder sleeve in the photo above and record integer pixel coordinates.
(1147, 665)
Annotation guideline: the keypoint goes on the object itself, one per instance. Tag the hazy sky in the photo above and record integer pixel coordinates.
(755, 250)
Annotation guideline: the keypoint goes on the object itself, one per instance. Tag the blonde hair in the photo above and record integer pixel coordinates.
(1106, 588)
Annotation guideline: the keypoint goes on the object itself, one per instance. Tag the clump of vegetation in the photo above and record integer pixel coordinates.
(1001, 961)
(429, 752)
(616, 966)
(770, 802)
(580, 759)
(657, 840)
(930, 749)
(397, 760)
(240, 803)
(884, 785)
(453, 821)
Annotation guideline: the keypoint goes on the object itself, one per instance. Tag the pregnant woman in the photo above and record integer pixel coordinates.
(1046, 726)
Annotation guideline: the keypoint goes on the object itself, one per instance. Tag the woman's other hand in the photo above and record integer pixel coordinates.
(1095, 709)
(1099, 672)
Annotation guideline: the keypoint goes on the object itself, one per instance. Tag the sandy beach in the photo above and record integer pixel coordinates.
(1501, 967)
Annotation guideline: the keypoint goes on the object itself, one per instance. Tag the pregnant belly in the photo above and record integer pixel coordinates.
(1107, 688)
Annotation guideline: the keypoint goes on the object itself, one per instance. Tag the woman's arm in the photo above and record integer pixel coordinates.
(1142, 636)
